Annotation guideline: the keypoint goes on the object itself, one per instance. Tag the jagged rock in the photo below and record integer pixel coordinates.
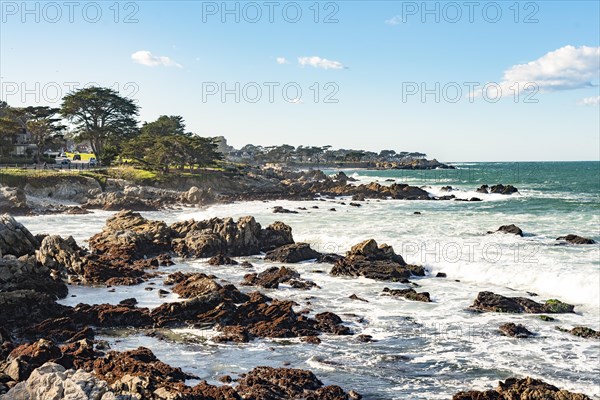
(292, 253)
(521, 389)
(275, 235)
(212, 237)
(127, 235)
(13, 201)
(52, 381)
(512, 229)
(15, 239)
(24, 273)
(410, 294)
(113, 266)
(376, 262)
(200, 244)
(515, 330)
(574, 239)
(488, 301)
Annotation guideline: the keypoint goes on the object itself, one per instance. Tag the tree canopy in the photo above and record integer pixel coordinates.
(101, 116)
(164, 143)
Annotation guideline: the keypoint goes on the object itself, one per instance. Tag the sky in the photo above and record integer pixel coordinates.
(460, 81)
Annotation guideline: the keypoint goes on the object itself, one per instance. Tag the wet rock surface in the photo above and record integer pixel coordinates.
(376, 262)
(512, 229)
(582, 331)
(410, 294)
(488, 301)
(521, 389)
(575, 239)
(515, 330)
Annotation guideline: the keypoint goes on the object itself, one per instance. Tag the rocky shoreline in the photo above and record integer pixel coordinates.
(79, 194)
(46, 346)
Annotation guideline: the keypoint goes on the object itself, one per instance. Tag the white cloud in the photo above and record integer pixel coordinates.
(319, 62)
(146, 58)
(281, 60)
(589, 101)
(397, 20)
(563, 69)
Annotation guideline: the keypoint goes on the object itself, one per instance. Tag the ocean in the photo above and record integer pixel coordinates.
(422, 350)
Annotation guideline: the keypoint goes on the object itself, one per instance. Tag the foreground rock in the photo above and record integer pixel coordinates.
(522, 389)
(512, 229)
(488, 301)
(15, 239)
(138, 374)
(292, 253)
(25, 273)
(574, 239)
(53, 380)
(376, 262)
(515, 330)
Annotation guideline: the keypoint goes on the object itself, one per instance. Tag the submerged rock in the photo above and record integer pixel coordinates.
(582, 331)
(521, 389)
(512, 229)
(574, 239)
(488, 301)
(410, 294)
(515, 330)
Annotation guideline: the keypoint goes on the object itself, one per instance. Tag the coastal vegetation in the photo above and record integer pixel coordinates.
(106, 125)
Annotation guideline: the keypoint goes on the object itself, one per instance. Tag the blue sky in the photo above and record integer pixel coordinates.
(375, 61)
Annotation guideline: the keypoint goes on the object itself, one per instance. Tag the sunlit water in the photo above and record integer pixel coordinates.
(423, 350)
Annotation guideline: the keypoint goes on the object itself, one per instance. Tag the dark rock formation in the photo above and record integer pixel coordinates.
(499, 188)
(410, 294)
(488, 301)
(272, 277)
(582, 331)
(375, 262)
(515, 330)
(292, 253)
(512, 229)
(281, 210)
(521, 389)
(574, 239)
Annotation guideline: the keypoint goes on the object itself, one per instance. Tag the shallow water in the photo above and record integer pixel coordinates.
(423, 350)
